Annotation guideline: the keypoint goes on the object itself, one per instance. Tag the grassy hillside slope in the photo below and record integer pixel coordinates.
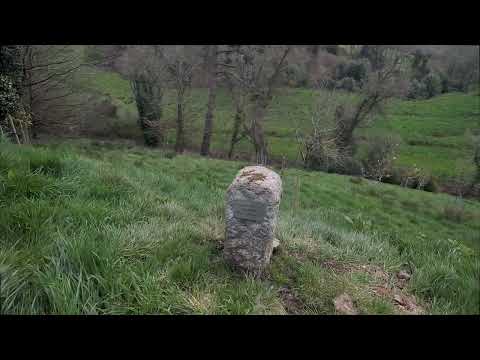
(107, 230)
(434, 132)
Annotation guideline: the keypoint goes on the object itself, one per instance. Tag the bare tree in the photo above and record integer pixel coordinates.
(50, 100)
(256, 69)
(182, 61)
(318, 148)
(383, 83)
(232, 61)
(239, 132)
(211, 53)
(47, 93)
(44, 85)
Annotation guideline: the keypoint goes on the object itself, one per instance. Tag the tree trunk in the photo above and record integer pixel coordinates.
(258, 136)
(149, 110)
(180, 141)
(212, 90)
(261, 150)
(312, 65)
(237, 123)
(262, 155)
(28, 62)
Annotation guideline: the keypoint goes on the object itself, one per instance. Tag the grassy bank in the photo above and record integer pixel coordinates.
(107, 230)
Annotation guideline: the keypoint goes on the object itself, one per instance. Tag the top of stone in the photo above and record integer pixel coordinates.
(259, 177)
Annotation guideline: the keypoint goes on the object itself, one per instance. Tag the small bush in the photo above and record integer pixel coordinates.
(349, 166)
(170, 154)
(296, 76)
(320, 161)
(433, 85)
(347, 84)
(379, 158)
(412, 178)
(9, 98)
(356, 70)
(356, 180)
(431, 185)
(426, 88)
(455, 213)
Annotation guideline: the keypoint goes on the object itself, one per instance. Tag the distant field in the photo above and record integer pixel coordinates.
(88, 229)
(434, 132)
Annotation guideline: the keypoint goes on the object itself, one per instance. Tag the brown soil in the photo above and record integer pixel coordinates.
(385, 285)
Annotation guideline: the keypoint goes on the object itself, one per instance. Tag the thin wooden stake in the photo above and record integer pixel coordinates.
(27, 132)
(297, 193)
(24, 136)
(14, 129)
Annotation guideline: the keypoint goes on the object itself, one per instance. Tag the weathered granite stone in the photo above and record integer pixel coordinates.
(252, 204)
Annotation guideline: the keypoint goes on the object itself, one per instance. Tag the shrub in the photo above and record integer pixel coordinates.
(356, 180)
(412, 178)
(347, 84)
(351, 75)
(9, 99)
(433, 85)
(429, 86)
(350, 166)
(296, 76)
(319, 158)
(356, 70)
(462, 74)
(329, 84)
(431, 185)
(379, 158)
(321, 154)
(170, 154)
(416, 90)
(455, 212)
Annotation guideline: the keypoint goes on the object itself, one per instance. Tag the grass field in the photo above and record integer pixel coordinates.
(434, 133)
(86, 229)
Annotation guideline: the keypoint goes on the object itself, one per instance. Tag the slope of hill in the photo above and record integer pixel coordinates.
(434, 133)
(116, 230)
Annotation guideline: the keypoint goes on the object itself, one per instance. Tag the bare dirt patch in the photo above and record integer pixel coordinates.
(385, 285)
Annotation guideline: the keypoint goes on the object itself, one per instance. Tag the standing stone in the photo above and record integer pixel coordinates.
(252, 204)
